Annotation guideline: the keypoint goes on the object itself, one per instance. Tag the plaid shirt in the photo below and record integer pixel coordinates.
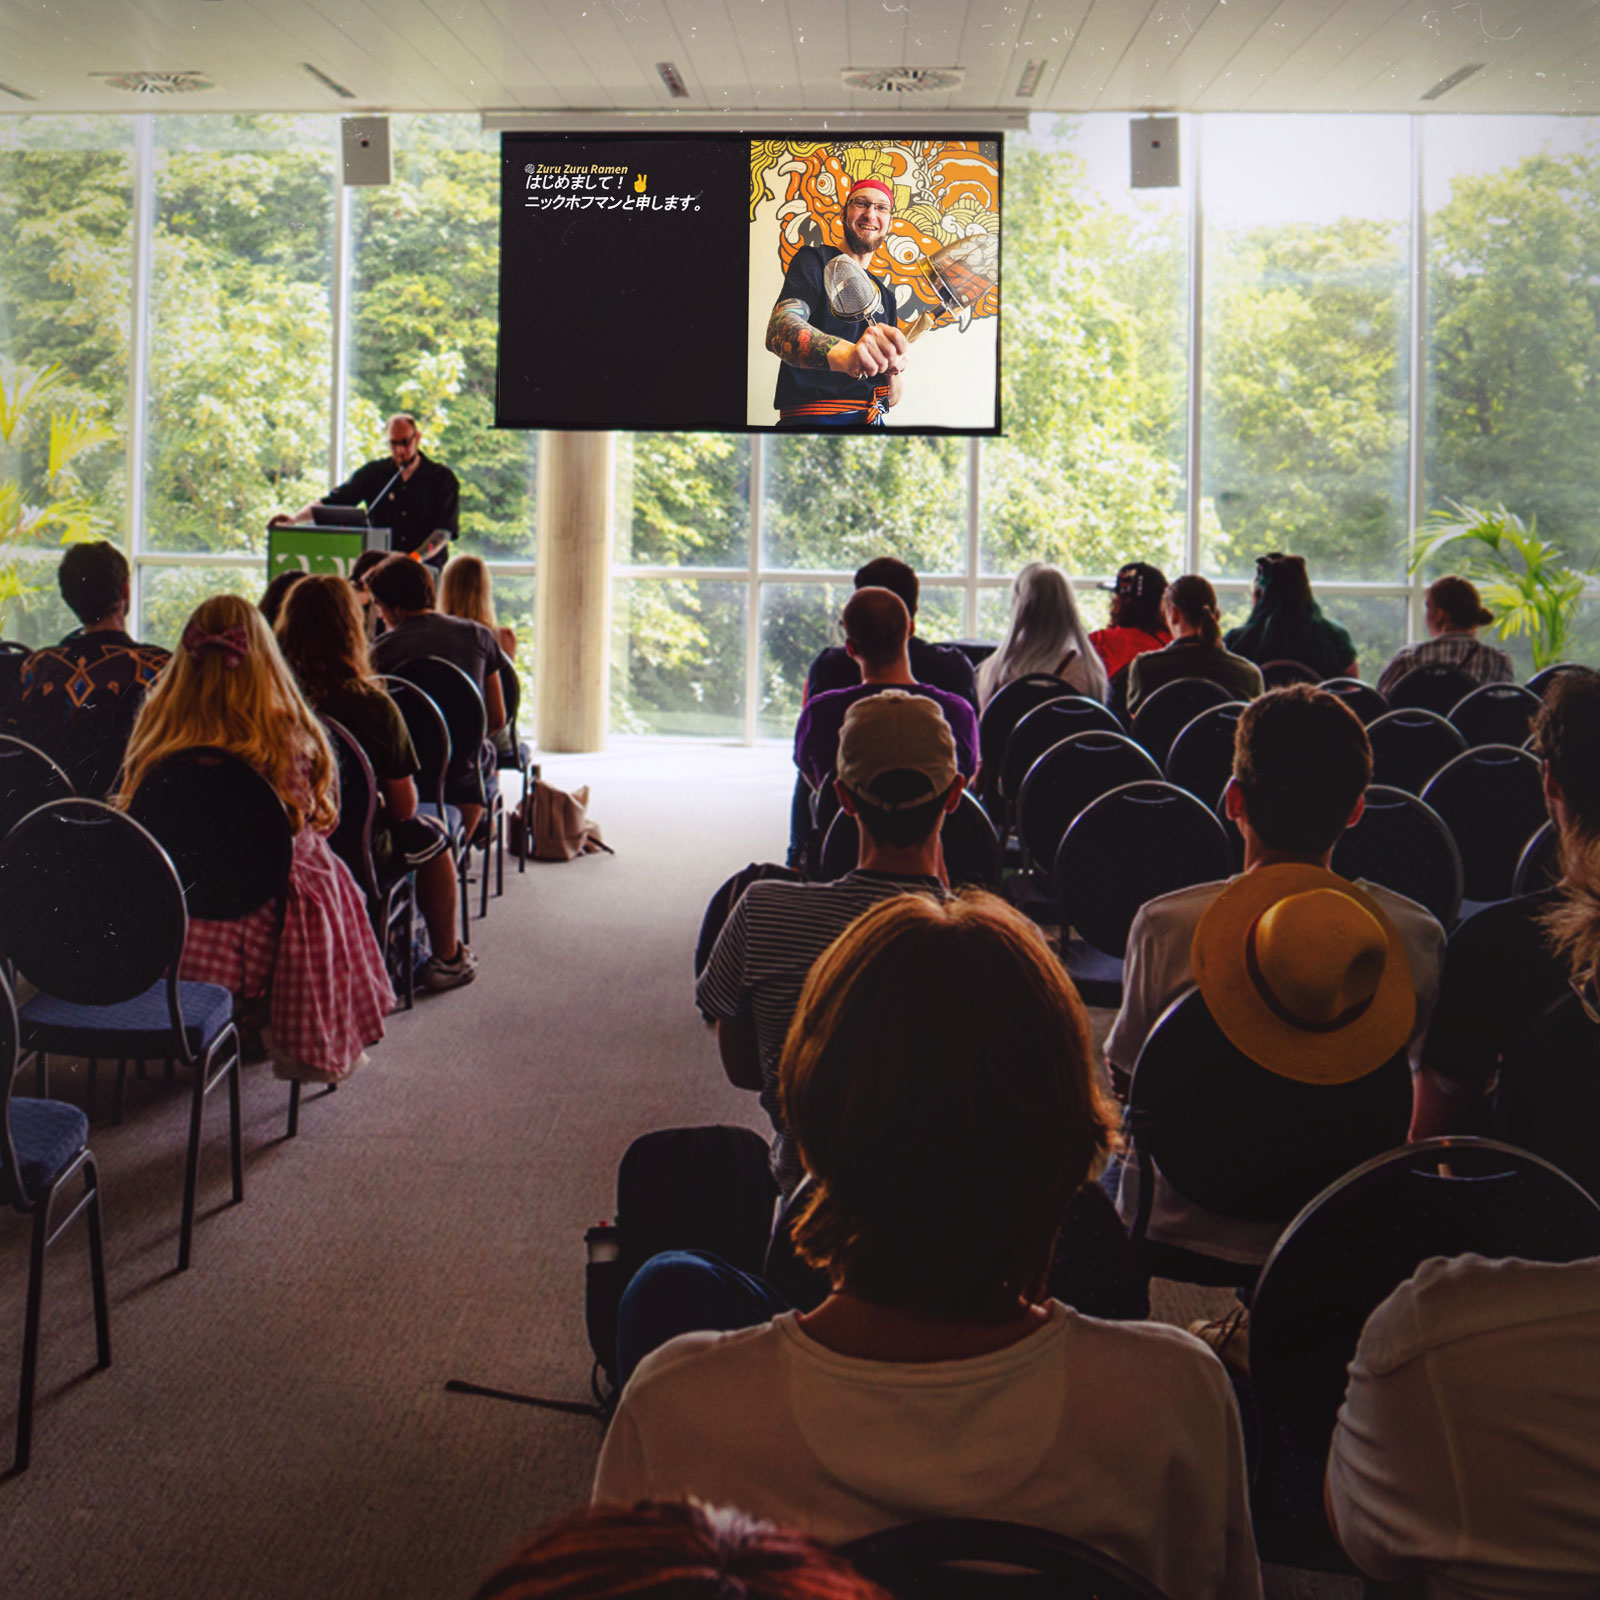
(1483, 663)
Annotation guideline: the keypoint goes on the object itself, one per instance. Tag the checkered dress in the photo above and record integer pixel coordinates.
(329, 988)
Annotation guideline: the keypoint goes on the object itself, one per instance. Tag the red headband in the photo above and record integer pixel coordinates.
(870, 183)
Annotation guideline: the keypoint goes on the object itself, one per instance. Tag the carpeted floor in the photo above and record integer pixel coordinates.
(275, 1422)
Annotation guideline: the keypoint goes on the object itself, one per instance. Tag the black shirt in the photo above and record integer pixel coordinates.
(798, 386)
(1499, 975)
(940, 666)
(412, 509)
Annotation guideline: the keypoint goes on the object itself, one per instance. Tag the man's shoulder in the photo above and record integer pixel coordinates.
(1181, 909)
(436, 469)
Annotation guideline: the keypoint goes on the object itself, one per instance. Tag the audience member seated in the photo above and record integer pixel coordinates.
(898, 776)
(402, 592)
(674, 1550)
(229, 687)
(877, 630)
(939, 1082)
(1468, 1447)
(1512, 959)
(360, 570)
(77, 700)
(323, 640)
(1045, 634)
(1287, 624)
(1196, 651)
(467, 590)
(1453, 614)
(1300, 767)
(1138, 619)
(271, 602)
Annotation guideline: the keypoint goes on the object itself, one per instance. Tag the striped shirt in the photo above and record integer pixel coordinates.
(760, 962)
(1483, 663)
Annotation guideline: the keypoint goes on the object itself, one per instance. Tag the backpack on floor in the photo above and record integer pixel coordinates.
(677, 1189)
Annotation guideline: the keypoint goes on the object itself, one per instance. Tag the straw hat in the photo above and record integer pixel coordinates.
(1305, 973)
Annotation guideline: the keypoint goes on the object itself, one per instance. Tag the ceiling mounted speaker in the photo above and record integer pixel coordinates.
(366, 151)
(903, 80)
(1153, 145)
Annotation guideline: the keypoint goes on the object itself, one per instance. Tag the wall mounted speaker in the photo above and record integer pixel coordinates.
(366, 150)
(1153, 147)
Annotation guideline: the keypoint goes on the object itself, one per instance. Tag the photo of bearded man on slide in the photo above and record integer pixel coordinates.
(840, 370)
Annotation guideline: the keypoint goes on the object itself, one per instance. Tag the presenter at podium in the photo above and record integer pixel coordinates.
(408, 494)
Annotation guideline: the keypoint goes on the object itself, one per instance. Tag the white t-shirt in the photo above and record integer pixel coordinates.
(1124, 1436)
(1157, 970)
(1469, 1438)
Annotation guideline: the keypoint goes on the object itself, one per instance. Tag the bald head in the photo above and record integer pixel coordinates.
(876, 627)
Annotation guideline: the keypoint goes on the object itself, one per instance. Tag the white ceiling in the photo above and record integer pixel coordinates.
(786, 55)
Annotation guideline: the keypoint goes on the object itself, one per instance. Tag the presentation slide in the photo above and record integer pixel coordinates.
(721, 283)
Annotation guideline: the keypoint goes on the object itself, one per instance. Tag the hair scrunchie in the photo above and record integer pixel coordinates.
(232, 643)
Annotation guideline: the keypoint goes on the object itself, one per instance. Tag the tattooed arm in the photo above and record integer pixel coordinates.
(792, 338)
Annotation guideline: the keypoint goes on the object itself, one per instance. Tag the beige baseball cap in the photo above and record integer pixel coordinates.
(894, 731)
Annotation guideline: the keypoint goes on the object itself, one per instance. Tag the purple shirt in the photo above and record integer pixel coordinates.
(816, 735)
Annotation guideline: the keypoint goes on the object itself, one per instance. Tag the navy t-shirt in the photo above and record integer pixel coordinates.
(798, 386)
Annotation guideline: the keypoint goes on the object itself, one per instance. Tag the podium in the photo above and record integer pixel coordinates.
(309, 548)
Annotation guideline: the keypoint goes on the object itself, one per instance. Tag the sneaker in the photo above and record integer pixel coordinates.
(1229, 1336)
(437, 973)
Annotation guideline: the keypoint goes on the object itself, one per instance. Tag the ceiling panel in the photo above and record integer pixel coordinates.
(821, 47)
(696, 36)
(544, 41)
(1218, 40)
(521, 70)
(1097, 51)
(994, 47)
(1343, 29)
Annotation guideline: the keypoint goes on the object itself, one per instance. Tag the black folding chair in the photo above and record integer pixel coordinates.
(458, 700)
(12, 655)
(391, 906)
(1496, 713)
(1201, 757)
(1361, 697)
(1139, 841)
(92, 914)
(971, 846)
(1539, 865)
(28, 779)
(965, 1558)
(1492, 800)
(519, 757)
(1046, 725)
(1547, 1095)
(1280, 674)
(1065, 779)
(1165, 714)
(1542, 679)
(43, 1143)
(1409, 746)
(1002, 714)
(1437, 689)
(1240, 1141)
(1402, 843)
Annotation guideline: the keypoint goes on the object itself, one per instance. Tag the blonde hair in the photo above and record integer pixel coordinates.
(243, 700)
(466, 591)
(1046, 635)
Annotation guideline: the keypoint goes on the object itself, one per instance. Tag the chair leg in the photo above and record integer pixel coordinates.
(236, 1124)
(191, 1170)
(499, 850)
(41, 1074)
(97, 1262)
(119, 1094)
(483, 882)
(461, 887)
(88, 1088)
(294, 1109)
(30, 1335)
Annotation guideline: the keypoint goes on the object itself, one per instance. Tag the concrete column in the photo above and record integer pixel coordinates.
(573, 622)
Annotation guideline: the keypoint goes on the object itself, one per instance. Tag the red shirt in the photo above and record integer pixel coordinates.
(1118, 646)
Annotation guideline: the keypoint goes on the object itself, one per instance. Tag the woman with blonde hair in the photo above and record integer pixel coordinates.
(939, 1079)
(228, 687)
(466, 590)
(1045, 635)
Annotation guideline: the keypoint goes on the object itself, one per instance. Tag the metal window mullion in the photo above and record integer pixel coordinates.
(1197, 282)
(340, 309)
(752, 618)
(974, 539)
(144, 143)
(1416, 456)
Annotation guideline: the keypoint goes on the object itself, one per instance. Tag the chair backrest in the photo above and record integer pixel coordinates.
(12, 1192)
(1066, 778)
(1201, 757)
(1357, 1240)
(223, 827)
(459, 702)
(1361, 697)
(1047, 725)
(90, 905)
(1280, 674)
(952, 1558)
(1542, 679)
(430, 736)
(12, 655)
(1539, 865)
(1127, 847)
(351, 839)
(511, 692)
(1403, 843)
(1244, 1142)
(1547, 1097)
(971, 846)
(1492, 800)
(1433, 688)
(1496, 713)
(28, 778)
(1003, 713)
(1117, 695)
(1410, 745)
(1165, 714)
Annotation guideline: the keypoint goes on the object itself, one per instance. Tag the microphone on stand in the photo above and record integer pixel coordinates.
(372, 505)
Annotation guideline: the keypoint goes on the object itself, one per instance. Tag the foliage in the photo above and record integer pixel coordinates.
(1523, 578)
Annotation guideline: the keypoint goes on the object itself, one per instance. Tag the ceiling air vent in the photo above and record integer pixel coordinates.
(903, 80)
(1028, 83)
(672, 79)
(156, 82)
(327, 82)
(16, 94)
(1456, 78)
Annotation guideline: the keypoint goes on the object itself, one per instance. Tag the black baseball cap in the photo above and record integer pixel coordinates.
(1137, 578)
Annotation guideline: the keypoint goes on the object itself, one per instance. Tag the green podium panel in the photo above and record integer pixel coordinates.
(311, 549)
